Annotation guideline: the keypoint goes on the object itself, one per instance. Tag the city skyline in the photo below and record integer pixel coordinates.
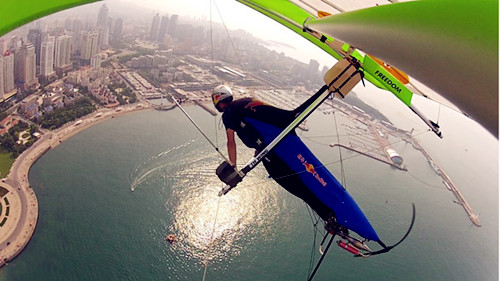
(234, 15)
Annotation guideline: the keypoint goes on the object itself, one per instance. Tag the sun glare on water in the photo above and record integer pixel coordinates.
(209, 227)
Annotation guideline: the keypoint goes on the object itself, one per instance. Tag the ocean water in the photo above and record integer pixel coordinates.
(92, 226)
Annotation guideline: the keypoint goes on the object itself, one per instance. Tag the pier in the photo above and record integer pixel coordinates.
(165, 107)
(204, 106)
(449, 185)
(369, 138)
(386, 161)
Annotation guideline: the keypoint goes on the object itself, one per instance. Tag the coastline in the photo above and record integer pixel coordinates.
(19, 206)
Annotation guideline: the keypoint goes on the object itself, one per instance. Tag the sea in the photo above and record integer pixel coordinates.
(109, 196)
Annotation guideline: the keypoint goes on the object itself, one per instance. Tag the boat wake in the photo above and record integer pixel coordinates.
(155, 163)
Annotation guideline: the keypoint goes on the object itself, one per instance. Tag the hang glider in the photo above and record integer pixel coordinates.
(450, 46)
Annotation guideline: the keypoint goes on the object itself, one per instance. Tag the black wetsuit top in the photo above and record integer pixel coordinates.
(235, 113)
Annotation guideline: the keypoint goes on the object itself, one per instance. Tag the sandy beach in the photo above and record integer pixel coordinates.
(19, 205)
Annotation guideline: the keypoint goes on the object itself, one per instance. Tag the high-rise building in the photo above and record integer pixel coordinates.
(35, 37)
(163, 28)
(47, 56)
(1, 78)
(4, 46)
(313, 66)
(103, 37)
(62, 51)
(8, 72)
(68, 24)
(89, 46)
(103, 26)
(15, 44)
(155, 25)
(117, 32)
(172, 25)
(95, 62)
(77, 34)
(25, 66)
(102, 17)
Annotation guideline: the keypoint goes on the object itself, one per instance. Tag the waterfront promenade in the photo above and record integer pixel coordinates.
(18, 202)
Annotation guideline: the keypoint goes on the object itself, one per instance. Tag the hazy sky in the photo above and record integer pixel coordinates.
(238, 16)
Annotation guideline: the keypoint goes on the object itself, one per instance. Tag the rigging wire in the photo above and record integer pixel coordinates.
(211, 238)
(425, 183)
(213, 67)
(342, 171)
(314, 220)
(213, 53)
(196, 125)
(212, 34)
(228, 35)
(216, 145)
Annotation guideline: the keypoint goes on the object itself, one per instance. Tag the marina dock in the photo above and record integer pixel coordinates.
(370, 137)
(386, 161)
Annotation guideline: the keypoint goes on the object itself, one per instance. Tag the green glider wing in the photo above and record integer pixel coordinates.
(14, 14)
(451, 46)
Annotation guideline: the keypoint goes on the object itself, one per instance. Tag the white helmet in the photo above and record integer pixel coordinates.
(220, 94)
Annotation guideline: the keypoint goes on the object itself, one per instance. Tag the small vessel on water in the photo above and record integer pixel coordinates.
(170, 238)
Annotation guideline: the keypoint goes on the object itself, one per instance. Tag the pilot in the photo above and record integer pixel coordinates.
(236, 116)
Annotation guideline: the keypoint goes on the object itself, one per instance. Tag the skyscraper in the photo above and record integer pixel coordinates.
(68, 24)
(8, 72)
(25, 66)
(163, 28)
(35, 37)
(1, 77)
(47, 56)
(104, 37)
(102, 17)
(77, 34)
(62, 51)
(89, 44)
(95, 62)
(172, 25)
(153, 33)
(102, 25)
(313, 66)
(117, 32)
(3, 46)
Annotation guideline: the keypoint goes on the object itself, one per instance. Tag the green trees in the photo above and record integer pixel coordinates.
(61, 116)
(9, 140)
(125, 92)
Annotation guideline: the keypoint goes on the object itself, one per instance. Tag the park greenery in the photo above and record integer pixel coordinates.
(122, 93)
(12, 144)
(58, 117)
(6, 161)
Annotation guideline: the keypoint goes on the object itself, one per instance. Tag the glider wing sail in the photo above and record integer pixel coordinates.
(293, 152)
(457, 53)
(17, 13)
